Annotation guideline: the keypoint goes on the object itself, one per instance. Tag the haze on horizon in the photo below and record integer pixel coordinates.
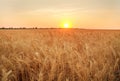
(51, 13)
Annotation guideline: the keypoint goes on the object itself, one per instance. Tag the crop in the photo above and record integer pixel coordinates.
(59, 55)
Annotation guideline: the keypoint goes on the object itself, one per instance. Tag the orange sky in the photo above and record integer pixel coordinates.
(52, 13)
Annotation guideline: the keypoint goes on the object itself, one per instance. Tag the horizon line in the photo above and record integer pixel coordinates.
(12, 28)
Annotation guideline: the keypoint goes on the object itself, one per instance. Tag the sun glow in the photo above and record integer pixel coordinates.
(66, 25)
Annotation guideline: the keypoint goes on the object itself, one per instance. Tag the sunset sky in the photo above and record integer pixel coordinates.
(53, 13)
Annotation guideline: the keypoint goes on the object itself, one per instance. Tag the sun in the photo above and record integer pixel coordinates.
(66, 25)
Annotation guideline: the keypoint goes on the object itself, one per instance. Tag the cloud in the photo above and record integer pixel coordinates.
(84, 10)
(26, 5)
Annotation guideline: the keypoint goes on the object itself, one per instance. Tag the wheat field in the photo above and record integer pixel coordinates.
(59, 55)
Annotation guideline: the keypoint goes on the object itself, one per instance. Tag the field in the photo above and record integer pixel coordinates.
(59, 55)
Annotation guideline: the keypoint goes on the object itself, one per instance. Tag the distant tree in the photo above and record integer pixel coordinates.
(10, 27)
(23, 28)
(2, 28)
(35, 27)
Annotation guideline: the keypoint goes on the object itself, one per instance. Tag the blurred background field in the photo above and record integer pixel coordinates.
(59, 55)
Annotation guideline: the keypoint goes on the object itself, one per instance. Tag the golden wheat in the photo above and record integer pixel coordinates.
(59, 55)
